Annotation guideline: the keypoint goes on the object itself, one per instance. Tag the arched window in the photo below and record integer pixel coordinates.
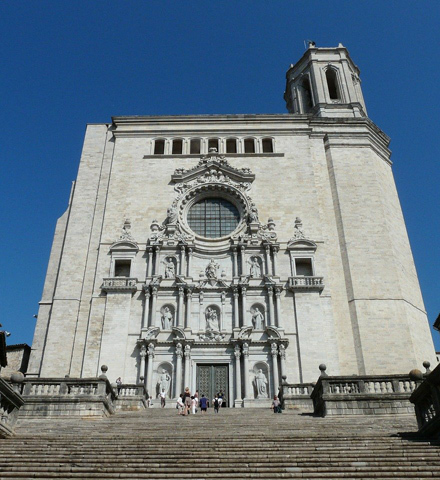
(267, 145)
(213, 217)
(306, 95)
(177, 147)
(159, 147)
(249, 145)
(213, 143)
(231, 145)
(332, 84)
(195, 146)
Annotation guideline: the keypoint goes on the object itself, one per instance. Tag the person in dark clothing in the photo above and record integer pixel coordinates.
(203, 404)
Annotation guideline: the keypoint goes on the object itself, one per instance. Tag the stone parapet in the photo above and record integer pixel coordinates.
(426, 400)
(363, 395)
(10, 404)
(45, 397)
(297, 396)
(131, 397)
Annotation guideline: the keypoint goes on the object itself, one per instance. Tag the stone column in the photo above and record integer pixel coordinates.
(188, 308)
(246, 369)
(180, 308)
(243, 306)
(277, 323)
(222, 312)
(234, 254)
(156, 260)
(187, 365)
(150, 353)
(236, 309)
(143, 354)
(182, 260)
(283, 360)
(267, 250)
(188, 265)
(153, 319)
(276, 381)
(242, 261)
(146, 309)
(179, 355)
(150, 263)
(201, 316)
(237, 353)
(275, 249)
(271, 321)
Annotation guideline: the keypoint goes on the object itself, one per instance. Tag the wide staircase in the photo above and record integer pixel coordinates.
(236, 443)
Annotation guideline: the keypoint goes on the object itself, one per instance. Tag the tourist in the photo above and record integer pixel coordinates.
(162, 398)
(149, 402)
(193, 405)
(276, 405)
(187, 401)
(119, 384)
(180, 405)
(216, 404)
(220, 399)
(203, 404)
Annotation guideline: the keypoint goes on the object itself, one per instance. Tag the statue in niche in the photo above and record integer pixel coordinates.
(167, 319)
(211, 269)
(212, 320)
(258, 319)
(170, 269)
(164, 381)
(255, 269)
(171, 215)
(253, 214)
(261, 384)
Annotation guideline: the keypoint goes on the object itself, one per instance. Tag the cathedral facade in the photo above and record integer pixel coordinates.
(222, 252)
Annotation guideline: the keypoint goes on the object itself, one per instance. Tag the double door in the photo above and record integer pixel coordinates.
(211, 380)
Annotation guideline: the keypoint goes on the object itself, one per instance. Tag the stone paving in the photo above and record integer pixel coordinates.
(236, 443)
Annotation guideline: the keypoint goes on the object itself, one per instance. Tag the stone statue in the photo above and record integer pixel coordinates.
(253, 215)
(170, 269)
(212, 320)
(164, 381)
(211, 269)
(255, 269)
(258, 319)
(167, 319)
(261, 384)
(171, 215)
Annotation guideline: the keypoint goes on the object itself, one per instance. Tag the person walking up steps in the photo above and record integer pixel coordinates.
(203, 404)
(216, 404)
(162, 398)
(187, 401)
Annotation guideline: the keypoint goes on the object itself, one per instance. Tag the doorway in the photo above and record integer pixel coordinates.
(212, 379)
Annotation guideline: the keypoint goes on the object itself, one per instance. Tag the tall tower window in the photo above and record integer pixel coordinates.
(195, 146)
(231, 145)
(159, 147)
(306, 95)
(249, 145)
(213, 217)
(177, 147)
(267, 145)
(332, 84)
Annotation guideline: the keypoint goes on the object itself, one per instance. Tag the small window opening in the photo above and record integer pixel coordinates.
(306, 95)
(159, 147)
(267, 145)
(195, 146)
(249, 145)
(231, 145)
(122, 268)
(177, 147)
(213, 143)
(332, 84)
(303, 267)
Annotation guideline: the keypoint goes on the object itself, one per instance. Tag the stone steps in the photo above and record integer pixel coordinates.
(234, 444)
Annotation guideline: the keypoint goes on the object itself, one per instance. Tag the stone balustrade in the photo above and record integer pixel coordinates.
(131, 397)
(67, 396)
(306, 283)
(363, 395)
(297, 396)
(10, 404)
(426, 400)
(119, 284)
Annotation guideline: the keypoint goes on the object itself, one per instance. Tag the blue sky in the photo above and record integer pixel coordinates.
(65, 64)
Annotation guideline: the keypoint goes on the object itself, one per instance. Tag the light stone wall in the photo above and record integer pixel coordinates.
(333, 175)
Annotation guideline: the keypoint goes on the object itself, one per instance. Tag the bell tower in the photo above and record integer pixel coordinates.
(325, 83)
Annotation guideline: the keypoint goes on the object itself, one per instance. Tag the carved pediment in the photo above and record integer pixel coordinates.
(301, 244)
(125, 246)
(179, 333)
(152, 332)
(273, 333)
(212, 283)
(245, 332)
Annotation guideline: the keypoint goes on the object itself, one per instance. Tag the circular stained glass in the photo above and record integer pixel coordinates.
(213, 217)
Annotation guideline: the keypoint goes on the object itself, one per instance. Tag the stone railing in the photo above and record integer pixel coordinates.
(362, 395)
(119, 284)
(297, 395)
(10, 403)
(306, 283)
(426, 400)
(67, 396)
(131, 397)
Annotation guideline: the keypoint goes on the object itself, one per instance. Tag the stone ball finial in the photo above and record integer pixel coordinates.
(426, 365)
(141, 378)
(415, 375)
(323, 368)
(104, 369)
(17, 377)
